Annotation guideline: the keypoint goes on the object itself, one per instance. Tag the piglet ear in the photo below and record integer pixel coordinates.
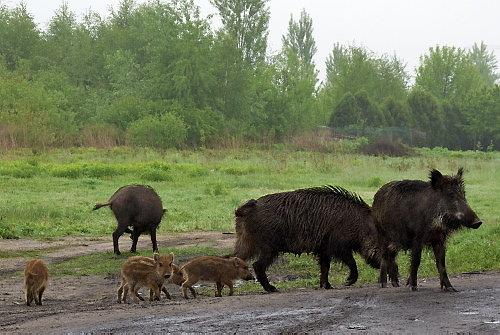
(156, 257)
(436, 178)
(236, 262)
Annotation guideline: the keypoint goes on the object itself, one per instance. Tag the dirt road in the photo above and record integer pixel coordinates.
(87, 304)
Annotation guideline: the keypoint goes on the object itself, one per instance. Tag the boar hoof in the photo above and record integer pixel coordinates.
(450, 289)
(414, 288)
(271, 288)
(395, 283)
(117, 252)
(350, 281)
(326, 286)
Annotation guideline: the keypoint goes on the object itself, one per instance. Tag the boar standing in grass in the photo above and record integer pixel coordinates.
(325, 221)
(412, 214)
(135, 206)
(139, 271)
(36, 276)
(222, 271)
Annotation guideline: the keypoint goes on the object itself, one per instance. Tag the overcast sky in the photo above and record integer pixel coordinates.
(405, 27)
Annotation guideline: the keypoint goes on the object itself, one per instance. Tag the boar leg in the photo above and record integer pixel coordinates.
(439, 254)
(416, 255)
(29, 297)
(135, 237)
(231, 289)
(260, 267)
(188, 284)
(153, 239)
(324, 265)
(135, 294)
(218, 289)
(164, 290)
(40, 293)
(122, 225)
(348, 260)
(120, 291)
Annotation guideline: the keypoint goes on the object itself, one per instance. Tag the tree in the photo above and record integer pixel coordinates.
(19, 36)
(353, 69)
(428, 115)
(299, 39)
(297, 76)
(485, 62)
(246, 26)
(448, 73)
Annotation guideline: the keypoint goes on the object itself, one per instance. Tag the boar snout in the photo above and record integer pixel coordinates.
(476, 224)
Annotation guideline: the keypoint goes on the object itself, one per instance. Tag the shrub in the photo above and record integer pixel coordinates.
(166, 131)
(152, 174)
(386, 147)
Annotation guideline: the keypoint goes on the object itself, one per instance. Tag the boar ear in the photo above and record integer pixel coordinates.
(460, 173)
(436, 178)
(236, 262)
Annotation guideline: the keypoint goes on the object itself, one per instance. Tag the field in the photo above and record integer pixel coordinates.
(48, 197)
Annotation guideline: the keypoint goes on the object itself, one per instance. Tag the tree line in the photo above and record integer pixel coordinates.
(158, 74)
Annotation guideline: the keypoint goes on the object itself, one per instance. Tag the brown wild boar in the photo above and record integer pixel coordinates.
(139, 271)
(136, 206)
(412, 214)
(328, 221)
(222, 271)
(36, 276)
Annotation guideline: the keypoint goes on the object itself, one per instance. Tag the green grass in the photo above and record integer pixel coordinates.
(50, 194)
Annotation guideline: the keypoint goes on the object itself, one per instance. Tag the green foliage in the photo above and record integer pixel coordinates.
(100, 81)
(166, 131)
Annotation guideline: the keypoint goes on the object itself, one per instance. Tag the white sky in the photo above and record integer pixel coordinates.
(407, 28)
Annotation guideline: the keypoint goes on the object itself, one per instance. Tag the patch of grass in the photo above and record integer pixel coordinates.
(107, 263)
(157, 175)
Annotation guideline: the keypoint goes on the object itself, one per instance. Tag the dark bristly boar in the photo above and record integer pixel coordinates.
(328, 221)
(36, 276)
(136, 206)
(139, 271)
(222, 271)
(412, 214)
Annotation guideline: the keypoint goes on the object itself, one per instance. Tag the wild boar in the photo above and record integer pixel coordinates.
(412, 214)
(329, 222)
(36, 276)
(222, 271)
(136, 206)
(139, 271)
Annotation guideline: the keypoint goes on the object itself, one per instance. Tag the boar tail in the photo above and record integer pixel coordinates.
(97, 206)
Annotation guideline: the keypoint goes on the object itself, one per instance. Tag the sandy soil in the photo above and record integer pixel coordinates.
(88, 304)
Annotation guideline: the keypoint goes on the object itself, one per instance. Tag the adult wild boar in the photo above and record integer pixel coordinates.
(328, 221)
(136, 206)
(411, 214)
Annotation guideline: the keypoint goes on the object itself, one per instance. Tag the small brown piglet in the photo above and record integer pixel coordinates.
(139, 271)
(36, 276)
(222, 271)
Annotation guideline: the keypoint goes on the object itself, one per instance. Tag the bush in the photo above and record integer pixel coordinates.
(386, 147)
(166, 131)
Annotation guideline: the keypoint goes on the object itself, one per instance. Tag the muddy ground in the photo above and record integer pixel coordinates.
(88, 304)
